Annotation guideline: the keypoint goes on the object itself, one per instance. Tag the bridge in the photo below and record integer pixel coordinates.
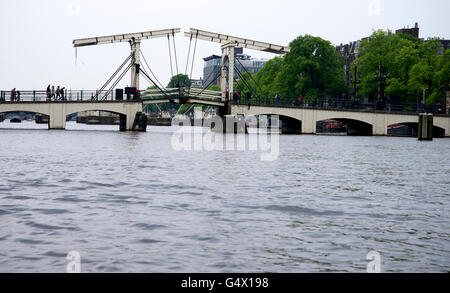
(57, 111)
(303, 120)
(295, 119)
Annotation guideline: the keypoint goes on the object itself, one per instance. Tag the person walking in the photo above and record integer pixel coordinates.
(49, 93)
(13, 95)
(300, 100)
(53, 93)
(62, 94)
(422, 106)
(278, 99)
(58, 94)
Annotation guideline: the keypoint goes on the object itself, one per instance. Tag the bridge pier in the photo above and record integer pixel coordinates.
(57, 117)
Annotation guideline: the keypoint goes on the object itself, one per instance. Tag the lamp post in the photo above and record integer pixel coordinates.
(380, 78)
(355, 80)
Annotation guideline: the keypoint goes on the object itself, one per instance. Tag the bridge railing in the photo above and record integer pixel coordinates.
(190, 93)
(343, 104)
(156, 94)
(68, 95)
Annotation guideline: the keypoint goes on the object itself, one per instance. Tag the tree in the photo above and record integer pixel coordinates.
(312, 68)
(394, 54)
(423, 73)
(246, 84)
(441, 78)
(180, 80)
(214, 87)
(410, 65)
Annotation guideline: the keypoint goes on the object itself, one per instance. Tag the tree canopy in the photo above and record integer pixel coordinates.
(410, 66)
(313, 68)
(181, 79)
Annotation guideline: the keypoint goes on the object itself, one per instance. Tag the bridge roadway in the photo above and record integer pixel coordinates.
(59, 110)
(304, 120)
(295, 119)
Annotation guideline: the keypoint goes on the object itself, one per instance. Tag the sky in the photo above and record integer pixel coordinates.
(36, 47)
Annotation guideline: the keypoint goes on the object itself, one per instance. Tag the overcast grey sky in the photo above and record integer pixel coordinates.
(36, 36)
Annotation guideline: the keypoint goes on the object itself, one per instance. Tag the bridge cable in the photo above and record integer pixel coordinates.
(189, 55)
(213, 81)
(176, 63)
(175, 53)
(148, 67)
(116, 82)
(111, 78)
(193, 56)
(170, 55)
(149, 78)
(251, 75)
(246, 83)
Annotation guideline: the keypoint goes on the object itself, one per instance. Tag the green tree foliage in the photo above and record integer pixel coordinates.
(246, 84)
(181, 79)
(410, 65)
(214, 87)
(313, 68)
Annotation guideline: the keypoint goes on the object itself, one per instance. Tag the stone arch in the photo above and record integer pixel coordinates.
(25, 111)
(29, 108)
(354, 127)
(410, 129)
(288, 124)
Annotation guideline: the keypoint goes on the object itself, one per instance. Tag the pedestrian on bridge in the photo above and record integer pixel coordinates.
(49, 93)
(422, 106)
(278, 99)
(63, 94)
(13, 94)
(52, 92)
(58, 93)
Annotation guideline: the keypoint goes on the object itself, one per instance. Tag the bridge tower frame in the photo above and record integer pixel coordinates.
(229, 43)
(227, 85)
(134, 39)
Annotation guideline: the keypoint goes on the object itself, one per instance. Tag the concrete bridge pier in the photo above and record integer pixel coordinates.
(57, 117)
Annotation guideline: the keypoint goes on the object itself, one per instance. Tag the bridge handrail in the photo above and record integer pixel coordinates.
(343, 104)
(69, 95)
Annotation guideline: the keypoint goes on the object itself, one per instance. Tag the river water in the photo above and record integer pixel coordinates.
(129, 202)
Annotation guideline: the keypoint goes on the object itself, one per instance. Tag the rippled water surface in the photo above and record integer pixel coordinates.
(128, 202)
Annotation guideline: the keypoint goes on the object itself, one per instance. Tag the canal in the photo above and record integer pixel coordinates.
(130, 202)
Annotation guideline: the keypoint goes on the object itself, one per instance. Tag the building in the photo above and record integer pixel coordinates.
(197, 83)
(213, 67)
(350, 54)
(410, 31)
(445, 45)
